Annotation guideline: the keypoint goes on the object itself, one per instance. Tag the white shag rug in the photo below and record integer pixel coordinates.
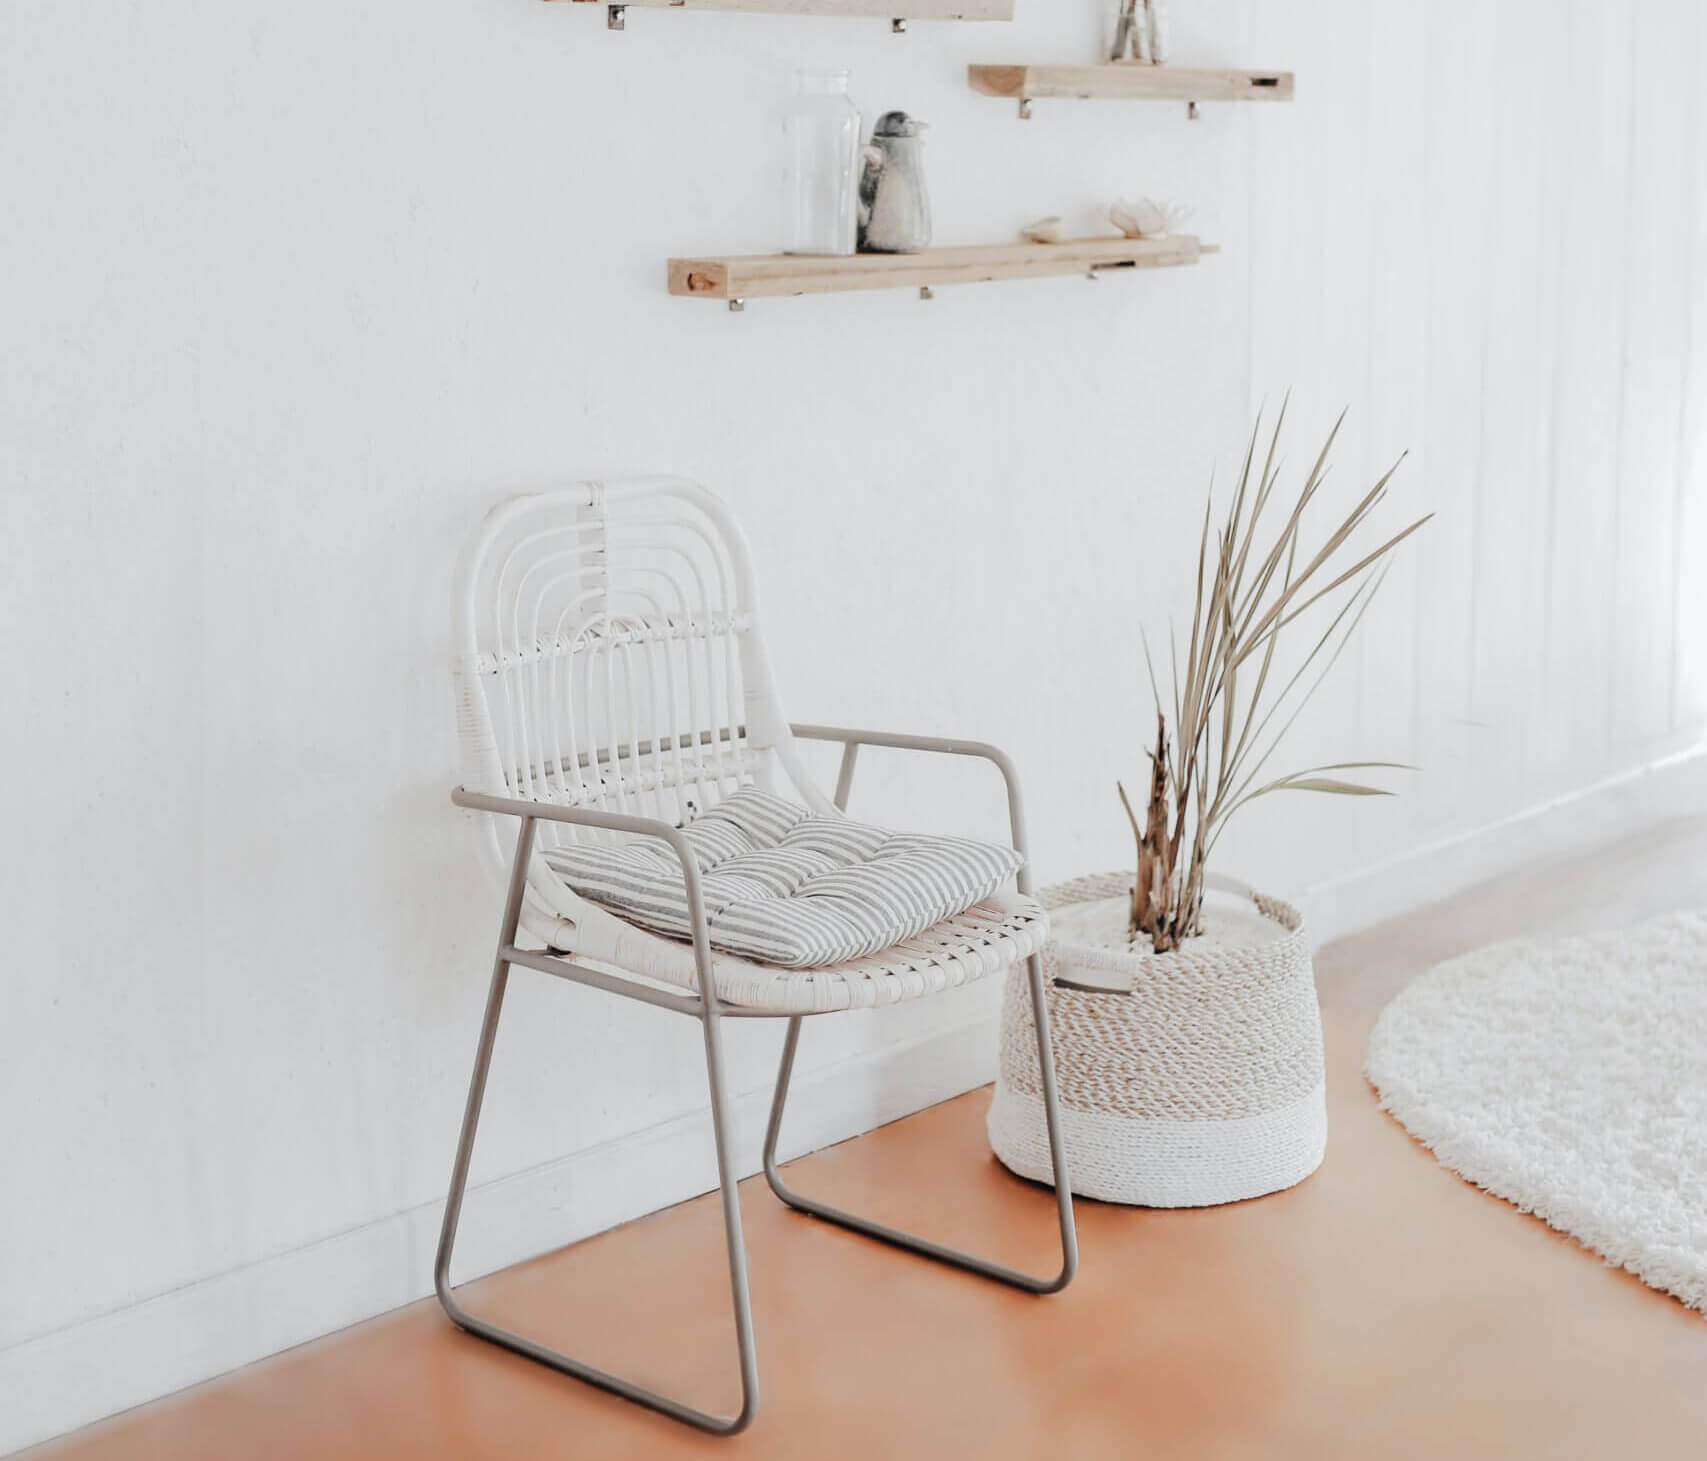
(1569, 1076)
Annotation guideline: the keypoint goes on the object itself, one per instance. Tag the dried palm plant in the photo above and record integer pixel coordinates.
(1222, 701)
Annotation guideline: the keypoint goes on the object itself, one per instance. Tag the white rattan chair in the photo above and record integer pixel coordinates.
(611, 681)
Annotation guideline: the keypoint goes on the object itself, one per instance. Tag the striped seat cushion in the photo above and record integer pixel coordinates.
(786, 886)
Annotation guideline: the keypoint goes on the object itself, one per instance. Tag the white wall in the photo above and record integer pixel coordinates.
(291, 293)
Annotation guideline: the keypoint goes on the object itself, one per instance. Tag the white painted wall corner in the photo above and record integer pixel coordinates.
(1593, 816)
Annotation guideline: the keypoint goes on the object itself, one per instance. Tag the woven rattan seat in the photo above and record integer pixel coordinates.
(978, 944)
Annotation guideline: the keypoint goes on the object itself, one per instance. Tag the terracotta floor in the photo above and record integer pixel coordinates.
(1381, 1309)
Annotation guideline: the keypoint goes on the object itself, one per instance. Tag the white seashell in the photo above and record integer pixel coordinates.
(1148, 218)
(1044, 231)
(1175, 216)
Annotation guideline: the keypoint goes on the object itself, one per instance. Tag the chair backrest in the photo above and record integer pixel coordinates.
(608, 655)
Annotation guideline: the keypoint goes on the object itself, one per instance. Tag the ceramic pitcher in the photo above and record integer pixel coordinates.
(894, 210)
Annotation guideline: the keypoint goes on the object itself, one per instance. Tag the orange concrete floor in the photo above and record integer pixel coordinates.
(1383, 1308)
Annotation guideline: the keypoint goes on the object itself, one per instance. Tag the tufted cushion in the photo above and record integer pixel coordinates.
(783, 885)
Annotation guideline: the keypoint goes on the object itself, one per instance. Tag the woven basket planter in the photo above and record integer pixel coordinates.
(1204, 1084)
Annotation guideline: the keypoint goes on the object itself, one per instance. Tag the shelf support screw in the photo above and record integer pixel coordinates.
(615, 16)
(1025, 109)
(926, 292)
(736, 306)
(1191, 111)
(898, 26)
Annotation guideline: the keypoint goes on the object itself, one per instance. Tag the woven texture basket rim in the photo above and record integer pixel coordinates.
(1099, 887)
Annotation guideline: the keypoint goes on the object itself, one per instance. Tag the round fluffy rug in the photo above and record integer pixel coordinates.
(1569, 1076)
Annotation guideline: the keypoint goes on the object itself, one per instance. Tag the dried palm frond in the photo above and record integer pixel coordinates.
(1222, 711)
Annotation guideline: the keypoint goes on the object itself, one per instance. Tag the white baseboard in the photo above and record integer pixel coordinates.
(59, 1381)
(1595, 816)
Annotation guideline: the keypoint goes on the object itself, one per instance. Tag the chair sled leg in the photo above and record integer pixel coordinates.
(717, 1424)
(943, 1254)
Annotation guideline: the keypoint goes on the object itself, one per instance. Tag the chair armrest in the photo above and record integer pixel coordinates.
(852, 740)
(515, 806)
(532, 811)
(894, 740)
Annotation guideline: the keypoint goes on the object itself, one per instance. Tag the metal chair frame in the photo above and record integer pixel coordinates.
(702, 1002)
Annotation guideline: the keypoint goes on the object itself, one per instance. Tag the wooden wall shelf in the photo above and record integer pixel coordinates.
(898, 12)
(759, 276)
(1128, 81)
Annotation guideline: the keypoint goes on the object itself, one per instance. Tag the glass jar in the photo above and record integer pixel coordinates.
(821, 132)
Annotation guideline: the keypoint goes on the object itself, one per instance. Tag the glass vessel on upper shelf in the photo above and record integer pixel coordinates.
(821, 133)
